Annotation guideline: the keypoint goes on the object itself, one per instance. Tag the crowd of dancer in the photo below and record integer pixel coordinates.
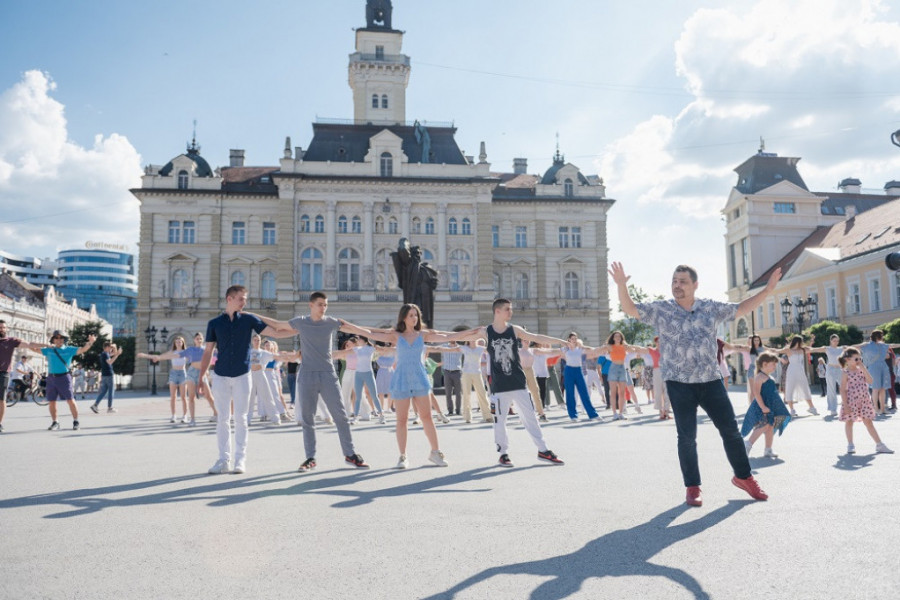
(239, 372)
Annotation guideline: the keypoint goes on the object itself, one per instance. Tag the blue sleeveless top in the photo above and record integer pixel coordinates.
(410, 377)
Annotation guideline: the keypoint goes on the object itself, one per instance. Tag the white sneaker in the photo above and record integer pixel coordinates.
(193, 423)
(381, 419)
(769, 453)
(285, 418)
(213, 419)
(416, 421)
(240, 468)
(276, 422)
(185, 419)
(794, 413)
(812, 410)
(437, 457)
(352, 420)
(403, 463)
(444, 419)
(882, 449)
(172, 419)
(111, 410)
(220, 467)
(851, 449)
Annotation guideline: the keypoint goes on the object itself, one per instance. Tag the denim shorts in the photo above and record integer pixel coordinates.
(616, 373)
(177, 376)
(193, 375)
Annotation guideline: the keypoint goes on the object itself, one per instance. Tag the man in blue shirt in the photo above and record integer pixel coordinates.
(59, 377)
(231, 332)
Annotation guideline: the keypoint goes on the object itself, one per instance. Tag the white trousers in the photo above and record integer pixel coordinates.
(592, 378)
(348, 381)
(262, 390)
(501, 403)
(660, 395)
(227, 390)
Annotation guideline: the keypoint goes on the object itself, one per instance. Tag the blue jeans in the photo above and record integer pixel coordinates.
(107, 385)
(712, 397)
(574, 378)
(292, 386)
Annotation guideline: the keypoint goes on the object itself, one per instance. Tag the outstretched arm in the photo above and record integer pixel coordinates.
(467, 336)
(626, 304)
(372, 334)
(87, 345)
(756, 299)
(527, 336)
(274, 327)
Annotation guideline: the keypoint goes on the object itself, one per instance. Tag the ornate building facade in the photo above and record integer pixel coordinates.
(327, 218)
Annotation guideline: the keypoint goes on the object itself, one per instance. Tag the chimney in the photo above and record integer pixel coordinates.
(520, 166)
(892, 188)
(850, 211)
(236, 158)
(851, 185)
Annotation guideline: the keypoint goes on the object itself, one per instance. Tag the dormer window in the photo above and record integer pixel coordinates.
(384, 101)
(182, 180)
(568, 188)
(387, 164)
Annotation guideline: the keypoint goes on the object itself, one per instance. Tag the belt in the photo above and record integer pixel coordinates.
(60, 374)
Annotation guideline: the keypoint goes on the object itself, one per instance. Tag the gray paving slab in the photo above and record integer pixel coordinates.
(124, 509)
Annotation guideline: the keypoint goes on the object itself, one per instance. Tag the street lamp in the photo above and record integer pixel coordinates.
(806, 310)
(152, 340)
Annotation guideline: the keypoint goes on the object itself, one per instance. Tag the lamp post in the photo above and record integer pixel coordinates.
(806, 310)
(152, 340)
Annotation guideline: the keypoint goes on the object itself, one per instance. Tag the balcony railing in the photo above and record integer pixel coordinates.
(349, 297)
(461, 296)
(386, 297)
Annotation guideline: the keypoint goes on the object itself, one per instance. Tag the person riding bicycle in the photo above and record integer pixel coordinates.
(21, 375)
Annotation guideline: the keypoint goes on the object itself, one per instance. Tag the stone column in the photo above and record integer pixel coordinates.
(368, 265)
(443, 272)
(330, 245)
(404, 219)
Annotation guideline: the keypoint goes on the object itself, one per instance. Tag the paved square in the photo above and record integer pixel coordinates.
(124, 509)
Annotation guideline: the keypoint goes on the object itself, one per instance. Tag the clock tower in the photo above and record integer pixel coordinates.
(379, 72)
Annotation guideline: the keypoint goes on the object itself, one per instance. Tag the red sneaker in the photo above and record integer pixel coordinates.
(693, 497)
(750, 486)
(357, 461)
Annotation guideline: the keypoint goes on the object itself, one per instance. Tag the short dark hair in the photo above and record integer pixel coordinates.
(877, 335)
(498, 303)
(234, 290)
(2, 321)
(316, 296)
(689, 270)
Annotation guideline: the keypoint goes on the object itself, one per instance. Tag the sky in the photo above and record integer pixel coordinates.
(661, 99)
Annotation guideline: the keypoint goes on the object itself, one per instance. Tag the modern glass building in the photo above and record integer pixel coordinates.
(32, 269)
(104, 278)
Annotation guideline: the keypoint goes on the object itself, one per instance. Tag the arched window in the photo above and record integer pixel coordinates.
(379, 224)
(181, 287)
(320, 224)
(385, 276)
(466, 226)
(238, 278)
(429, 226)
(569, 188)
(459, 270)
(304, 224)
(452, 226)
(356, 225)
(182, 180)
(384, 101)
(741, 331)
(392, 225)
(348, 270)
(522, 286)
(387, 164)
(311, 269)
(342, 224)
(416, 225)
(571, 286)
(374, 100)
(267, 287)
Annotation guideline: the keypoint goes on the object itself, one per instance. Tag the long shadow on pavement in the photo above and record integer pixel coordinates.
(221, 492)
(853, 462)
(622, 553)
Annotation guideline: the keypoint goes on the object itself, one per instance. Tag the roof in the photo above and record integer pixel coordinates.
(764, 170)
(249, 180)
(350, 143)
(837, 203)
(559, 162)
(867, 232)
(193, 152)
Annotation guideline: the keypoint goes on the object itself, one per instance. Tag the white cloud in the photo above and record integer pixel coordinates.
(809, 76)
(56, 194)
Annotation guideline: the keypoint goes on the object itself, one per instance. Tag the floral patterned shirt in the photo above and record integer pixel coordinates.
(687, 338)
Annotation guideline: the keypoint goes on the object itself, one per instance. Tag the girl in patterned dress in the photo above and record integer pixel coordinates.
(856, 403)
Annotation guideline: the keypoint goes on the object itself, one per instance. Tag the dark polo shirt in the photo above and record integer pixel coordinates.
(232, 338)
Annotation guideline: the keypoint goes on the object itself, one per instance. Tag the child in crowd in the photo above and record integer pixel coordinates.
(767, 413)
(856, 403)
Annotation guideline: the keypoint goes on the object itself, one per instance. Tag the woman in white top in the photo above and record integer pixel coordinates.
(796, 381)
(261, 390)
(177, 377)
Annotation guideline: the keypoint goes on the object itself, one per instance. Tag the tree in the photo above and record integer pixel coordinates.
(124, 365)
(78, 336)
(891, 331)
(635, 331)
(821, 333)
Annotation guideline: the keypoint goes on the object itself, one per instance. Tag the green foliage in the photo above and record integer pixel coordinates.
(822, 331)
(891, 331)
(124, 365)
(78, 336)
(779, 341)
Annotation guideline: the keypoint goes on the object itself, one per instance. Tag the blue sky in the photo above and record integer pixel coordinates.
(662, 99)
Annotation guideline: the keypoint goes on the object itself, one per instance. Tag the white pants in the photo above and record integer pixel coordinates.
(832, 384)
(274, 386)
(348, 381)
(592, 378)
(522, 399)
(262, 390)
(227, 390)
(660, 395)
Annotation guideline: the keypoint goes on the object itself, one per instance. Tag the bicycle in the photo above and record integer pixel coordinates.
(21, 391)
